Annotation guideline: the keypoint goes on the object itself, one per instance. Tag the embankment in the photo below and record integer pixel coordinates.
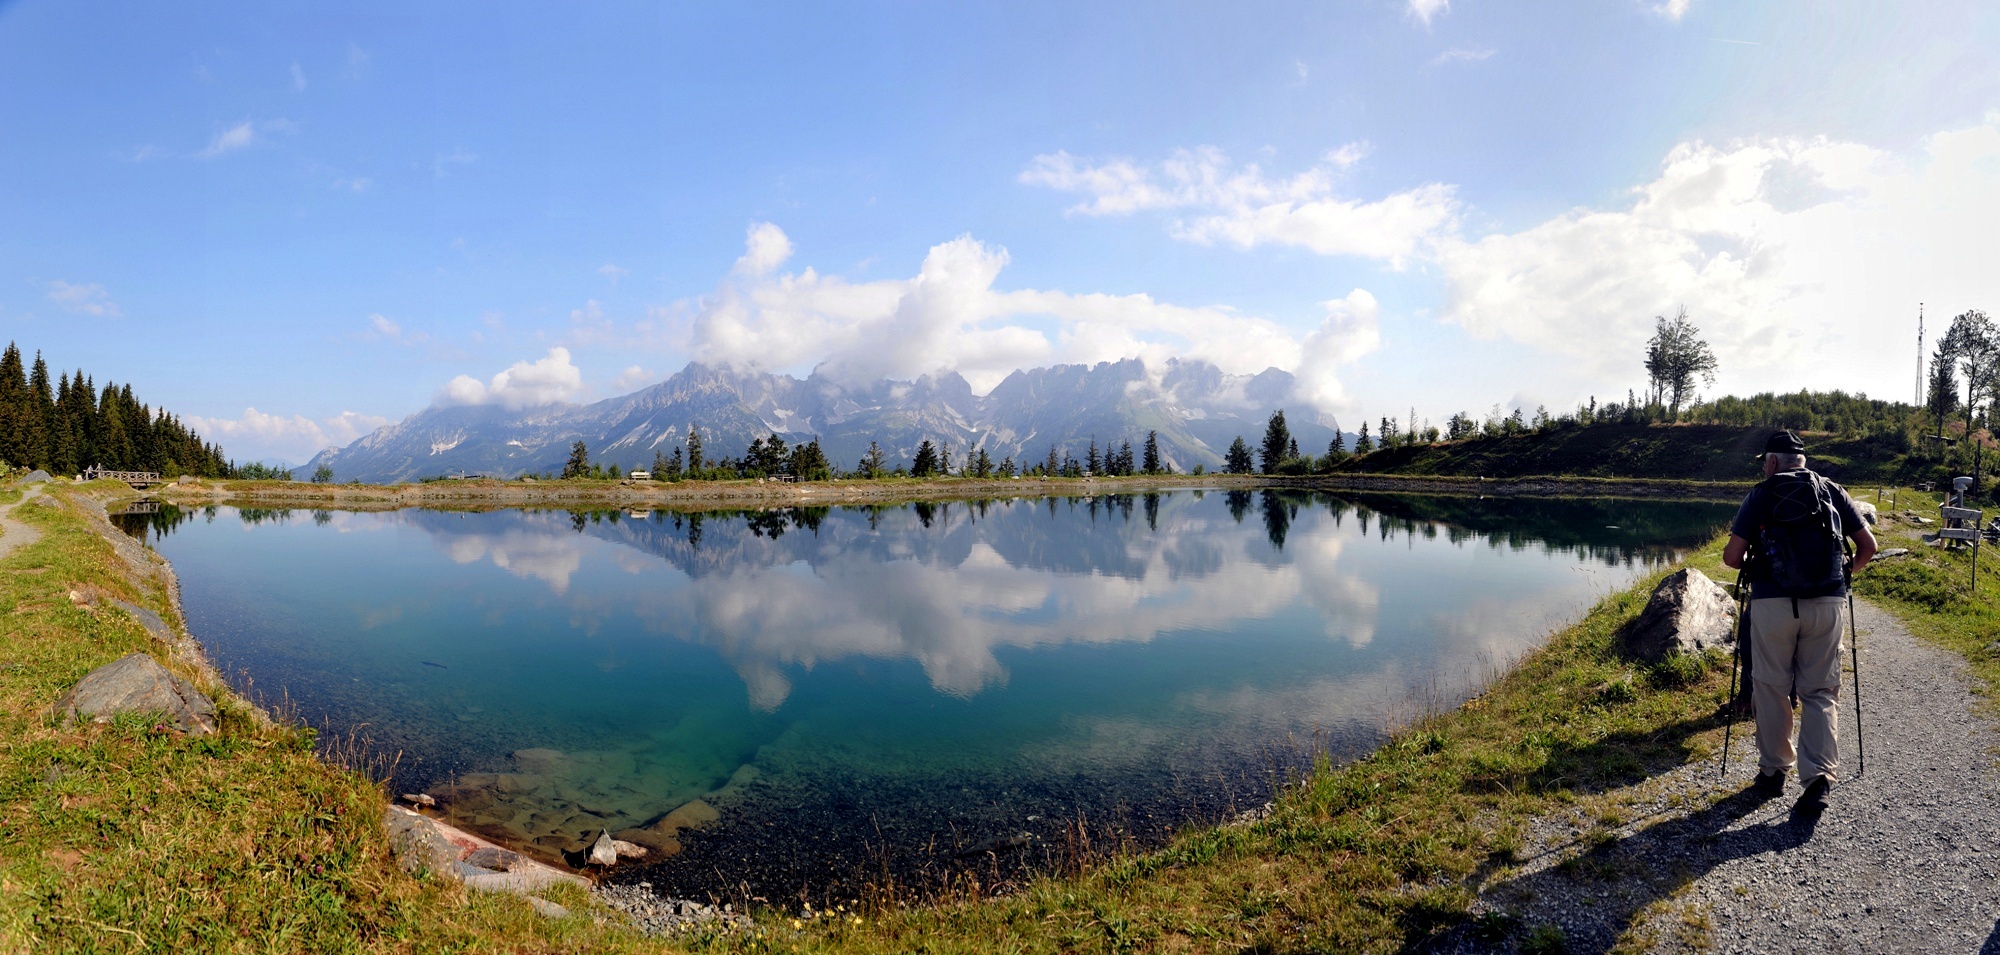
(127, 836)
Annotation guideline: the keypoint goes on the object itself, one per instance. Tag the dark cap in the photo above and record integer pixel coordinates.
(1784, 442)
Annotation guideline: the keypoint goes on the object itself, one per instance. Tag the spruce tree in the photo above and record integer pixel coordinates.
(1277, 438)
(1152, 459)
(926, 462)
(1362, 442)
(1091, 462)
(579, 462)
(1238, 461)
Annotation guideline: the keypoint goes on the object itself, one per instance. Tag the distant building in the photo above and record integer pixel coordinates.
(641, 475)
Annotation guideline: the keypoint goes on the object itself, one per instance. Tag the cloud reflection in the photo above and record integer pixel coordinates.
(955, 587)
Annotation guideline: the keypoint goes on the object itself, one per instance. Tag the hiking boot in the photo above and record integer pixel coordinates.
(1768, 786)
(1812, 802)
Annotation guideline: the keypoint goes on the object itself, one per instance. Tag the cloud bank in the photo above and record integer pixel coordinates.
(951, 316)
(294, 438)
(1787, 252)
(1221, 202)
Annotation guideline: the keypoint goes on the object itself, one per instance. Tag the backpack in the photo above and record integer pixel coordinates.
(1799, 541)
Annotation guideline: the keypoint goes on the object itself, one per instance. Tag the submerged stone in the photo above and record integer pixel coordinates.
(136, 683)
(1688, 613)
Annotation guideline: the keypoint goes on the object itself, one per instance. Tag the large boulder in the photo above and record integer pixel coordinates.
(1688, 613)
(135, 683)
(1867, 512)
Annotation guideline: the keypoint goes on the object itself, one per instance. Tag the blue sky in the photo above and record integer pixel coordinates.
(294, 222)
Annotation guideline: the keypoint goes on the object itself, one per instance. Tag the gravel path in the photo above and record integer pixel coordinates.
(14, 534)
(1907, 859)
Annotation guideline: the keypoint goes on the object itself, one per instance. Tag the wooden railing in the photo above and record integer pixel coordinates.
(134, 478)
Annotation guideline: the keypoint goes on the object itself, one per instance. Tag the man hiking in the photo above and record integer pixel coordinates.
(1793, 527)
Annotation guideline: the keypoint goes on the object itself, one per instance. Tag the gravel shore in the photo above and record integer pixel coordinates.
(1907, 859)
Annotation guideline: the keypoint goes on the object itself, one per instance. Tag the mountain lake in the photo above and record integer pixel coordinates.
(813, 703)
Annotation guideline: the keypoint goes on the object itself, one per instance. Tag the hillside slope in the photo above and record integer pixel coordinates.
(1659, 452)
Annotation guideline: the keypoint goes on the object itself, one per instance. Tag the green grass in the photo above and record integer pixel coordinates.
(131, 838)
(1701, 453)
(1931, 590)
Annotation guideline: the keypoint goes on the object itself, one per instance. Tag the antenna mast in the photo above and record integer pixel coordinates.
(1920, 354)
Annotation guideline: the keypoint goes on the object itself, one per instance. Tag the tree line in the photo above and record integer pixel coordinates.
(773, 457)
(67, 424)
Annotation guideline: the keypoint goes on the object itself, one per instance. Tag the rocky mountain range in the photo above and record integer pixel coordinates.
(1195, 407)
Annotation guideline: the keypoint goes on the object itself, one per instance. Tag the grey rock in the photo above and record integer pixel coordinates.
(148, 619)
(425, 800)
(605, 850)
(418, 845)
(524, 881)
(628, 850)
(1891, 552)
(498, 860)
(547, 909)
(184, 479)
(135, 683)
(1688, 613)
(1867, 512)
(37, 476)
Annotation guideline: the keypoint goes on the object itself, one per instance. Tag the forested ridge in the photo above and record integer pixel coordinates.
(68, 424)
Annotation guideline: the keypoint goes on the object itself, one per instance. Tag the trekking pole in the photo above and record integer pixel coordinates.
(1735, 659)
(1854, 650)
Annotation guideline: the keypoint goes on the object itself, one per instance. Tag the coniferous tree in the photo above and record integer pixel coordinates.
(1277, 438)
(1125, 458)
(579, 462)
(1091, 462)
(1152, 459)
(695, 461)
(1052, 466)
(926, 462)
(1238, 461)
(873, 463)
(1339, 445)
(1362, 442)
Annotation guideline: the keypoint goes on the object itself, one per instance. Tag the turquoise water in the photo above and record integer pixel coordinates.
(851, 686)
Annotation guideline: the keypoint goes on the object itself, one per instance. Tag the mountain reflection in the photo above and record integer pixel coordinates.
(952, 585)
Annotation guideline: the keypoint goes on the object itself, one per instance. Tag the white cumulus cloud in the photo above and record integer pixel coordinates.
(1219, 201)
(1790, 254)
(84, 299)
(230, 140)
(1427, 10)
(523, 385)
(951, 316)
(256, 435)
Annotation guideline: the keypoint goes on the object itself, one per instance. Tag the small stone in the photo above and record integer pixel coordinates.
(547, 909)
(421, 799)
(628, 850)
(604, 851)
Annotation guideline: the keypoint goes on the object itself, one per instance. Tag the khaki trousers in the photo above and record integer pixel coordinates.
(1799, 653)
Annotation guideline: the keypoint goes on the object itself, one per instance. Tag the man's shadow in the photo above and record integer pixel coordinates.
(1617, 879)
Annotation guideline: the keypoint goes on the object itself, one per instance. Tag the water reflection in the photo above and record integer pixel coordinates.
(915, 661)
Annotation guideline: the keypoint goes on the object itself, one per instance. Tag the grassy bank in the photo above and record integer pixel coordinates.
(1688, 452)
(130, 837)
(1931, 590)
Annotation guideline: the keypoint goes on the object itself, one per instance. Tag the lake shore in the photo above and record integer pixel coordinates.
(1371, 855)
(486, 493)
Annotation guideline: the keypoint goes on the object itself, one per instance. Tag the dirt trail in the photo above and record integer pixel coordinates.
(13, 533)
(1907, 859)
